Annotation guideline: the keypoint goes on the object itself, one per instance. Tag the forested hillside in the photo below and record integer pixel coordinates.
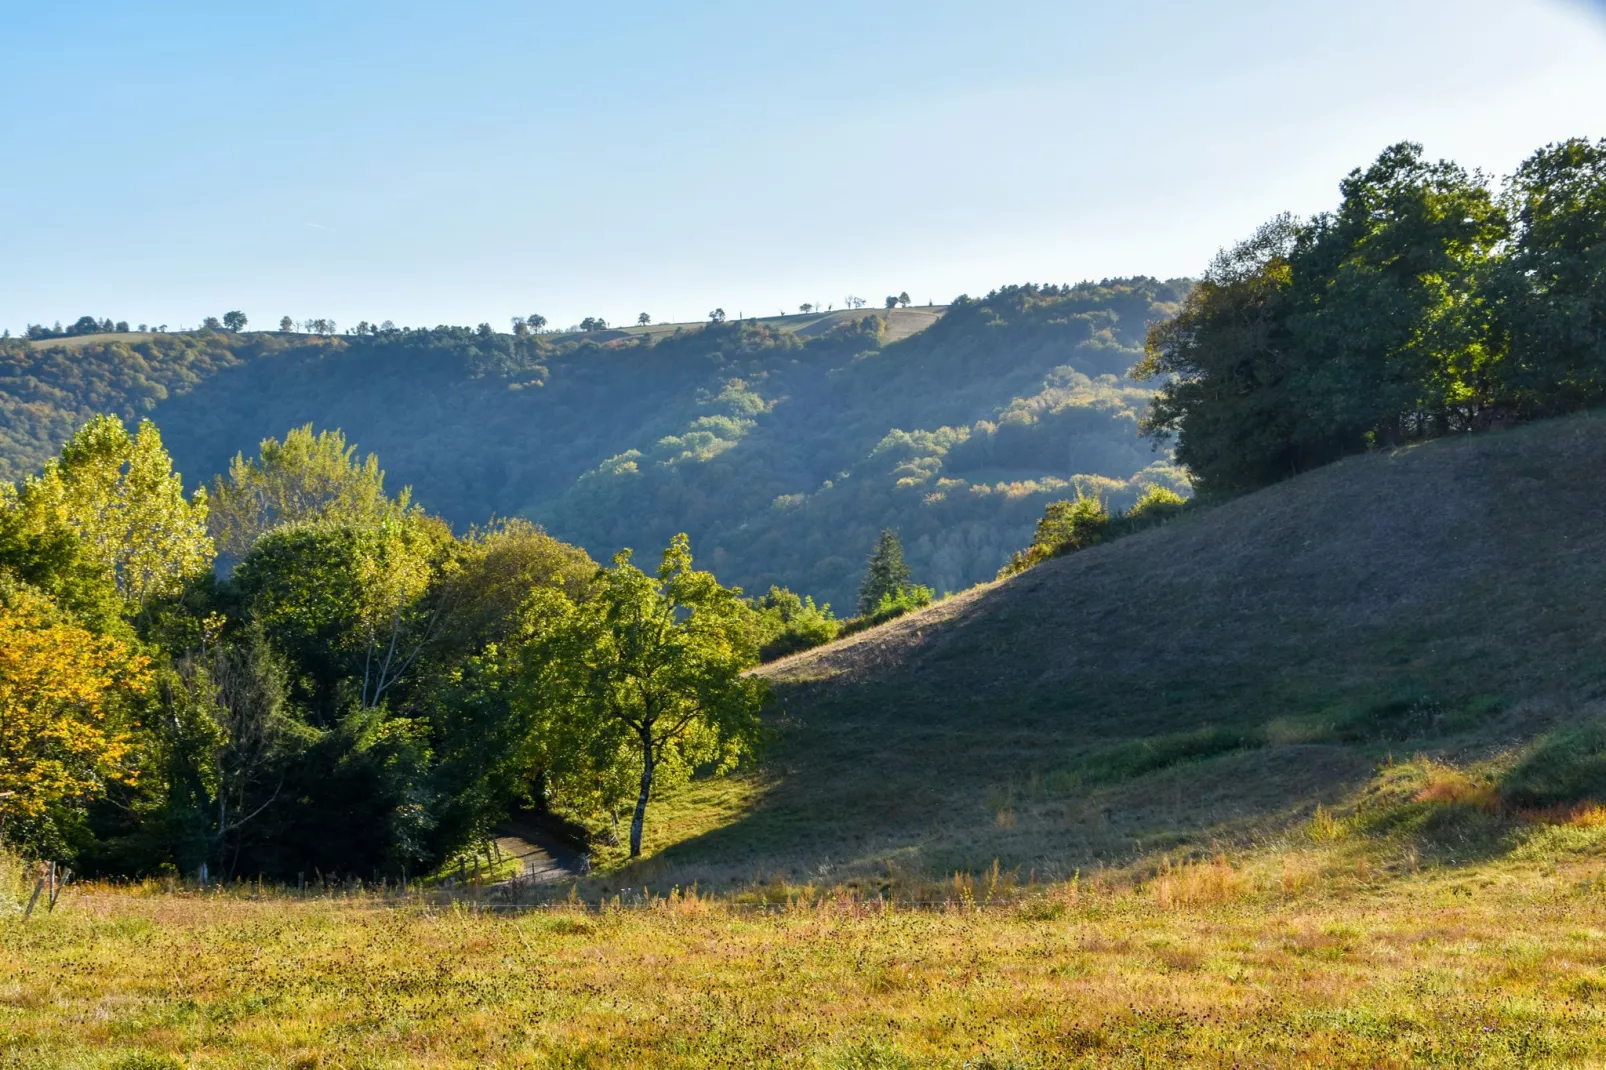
(782, 455)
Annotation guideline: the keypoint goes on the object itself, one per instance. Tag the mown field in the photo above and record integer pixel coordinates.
(1327, 950)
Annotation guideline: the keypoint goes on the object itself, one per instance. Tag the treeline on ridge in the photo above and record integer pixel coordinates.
(783, 456)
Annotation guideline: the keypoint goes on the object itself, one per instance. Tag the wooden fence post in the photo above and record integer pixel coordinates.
(38, 887)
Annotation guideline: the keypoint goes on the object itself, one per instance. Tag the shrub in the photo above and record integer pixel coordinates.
(1066, 526)
(1156, 505)
(891, 607)
(788, 624)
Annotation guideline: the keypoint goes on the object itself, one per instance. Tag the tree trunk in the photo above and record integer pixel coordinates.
(640, 818)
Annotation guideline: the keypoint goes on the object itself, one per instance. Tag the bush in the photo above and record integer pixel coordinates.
(891, 607)
(1066, 526)
(789, 624)
(1156, 506)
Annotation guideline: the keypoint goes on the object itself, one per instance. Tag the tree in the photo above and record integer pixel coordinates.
(1392, 336)
(352, 605)
(853, 302)
(788, 623)
(646, 672)
(534, 322)
(306, 477)
(234, 321)
(286, 325)
(227, 737)
(903, 299)
(892, 302)
(643, 319)
(211, 324)
(119, 494)
(593, 323)
(1224, 359)
(1552, 287)
(1369, 325)
(887, 575)
(805, 308)
(717, 316)
(60, 738)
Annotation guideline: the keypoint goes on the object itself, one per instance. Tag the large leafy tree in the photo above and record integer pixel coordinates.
(353, 606)
(118, 494)
(1365, 326)
(1391, 324)
(1224, 361)
(643, 681)
(1553, 285)
(306, 477)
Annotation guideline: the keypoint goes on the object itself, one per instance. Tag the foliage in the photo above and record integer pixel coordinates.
(62, 735)
(1072, 525)
(789, 623)
(891, 605)
(1422, 306)
(306, 477)
(352, 605)
(782, 454)
(1551, 288)
(647, 673)
(119, 495)
(1066, 526)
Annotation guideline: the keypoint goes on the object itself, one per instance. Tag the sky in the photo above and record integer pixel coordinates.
(457, 163)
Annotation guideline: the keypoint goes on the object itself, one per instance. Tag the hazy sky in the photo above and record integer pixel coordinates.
(431, 162)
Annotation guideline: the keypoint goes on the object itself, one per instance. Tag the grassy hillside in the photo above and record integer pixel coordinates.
(1207, 684)
(782, 447)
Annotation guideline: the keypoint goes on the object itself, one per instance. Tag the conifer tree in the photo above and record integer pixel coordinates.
(887, 575)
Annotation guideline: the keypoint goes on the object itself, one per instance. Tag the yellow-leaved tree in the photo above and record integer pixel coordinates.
(119, 494)
(60, 737)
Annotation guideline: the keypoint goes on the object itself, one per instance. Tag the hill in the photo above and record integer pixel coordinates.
(1207, 684)
(782, 447)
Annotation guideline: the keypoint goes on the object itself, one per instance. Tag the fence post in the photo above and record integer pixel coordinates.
(38, 887)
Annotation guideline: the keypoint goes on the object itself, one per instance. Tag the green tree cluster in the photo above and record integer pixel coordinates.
(366, 692)
(1427, 303)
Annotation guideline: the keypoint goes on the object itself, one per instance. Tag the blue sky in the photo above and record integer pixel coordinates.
(455, 163)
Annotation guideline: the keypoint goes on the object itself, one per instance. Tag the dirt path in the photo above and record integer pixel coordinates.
(544, 858)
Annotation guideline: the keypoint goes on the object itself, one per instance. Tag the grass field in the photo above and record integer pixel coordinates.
(1332, 948)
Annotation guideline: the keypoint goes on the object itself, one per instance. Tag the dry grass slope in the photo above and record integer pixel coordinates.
(1200, 685)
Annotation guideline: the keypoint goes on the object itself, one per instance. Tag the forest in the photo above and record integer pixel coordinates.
(782, 455)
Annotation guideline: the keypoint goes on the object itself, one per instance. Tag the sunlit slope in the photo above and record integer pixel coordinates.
(1205, 682)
